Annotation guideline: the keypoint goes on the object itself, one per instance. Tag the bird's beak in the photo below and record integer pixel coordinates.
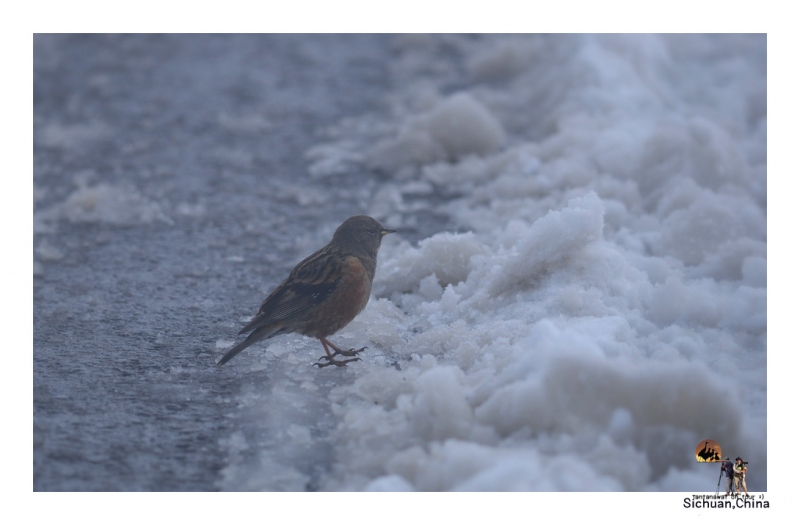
(387, 232)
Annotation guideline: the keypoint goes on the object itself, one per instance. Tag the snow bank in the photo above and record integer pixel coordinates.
(605, 310)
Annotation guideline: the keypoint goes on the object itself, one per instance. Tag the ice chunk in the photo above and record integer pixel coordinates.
(116, 205)
(457, 127)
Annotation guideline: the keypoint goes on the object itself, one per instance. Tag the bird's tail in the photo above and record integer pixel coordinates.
(263, 332)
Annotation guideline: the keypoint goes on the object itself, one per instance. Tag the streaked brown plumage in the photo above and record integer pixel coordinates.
(323, 293)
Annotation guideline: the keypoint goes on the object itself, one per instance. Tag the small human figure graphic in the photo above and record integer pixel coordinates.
(739, 471)
(727, 466)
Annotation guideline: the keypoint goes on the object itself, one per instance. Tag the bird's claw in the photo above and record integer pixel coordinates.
(332, 361)
(349, 353)
(337, 351)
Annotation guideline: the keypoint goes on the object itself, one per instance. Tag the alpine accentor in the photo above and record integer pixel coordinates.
(323, 293)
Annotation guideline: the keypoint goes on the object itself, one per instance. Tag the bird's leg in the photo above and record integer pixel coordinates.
(325, 344)
(347, 353)
(329, 357)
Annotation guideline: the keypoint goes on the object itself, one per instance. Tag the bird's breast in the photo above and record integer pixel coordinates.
(345, 303)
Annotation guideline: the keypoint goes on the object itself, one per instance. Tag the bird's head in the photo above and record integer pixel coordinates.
(360, 234)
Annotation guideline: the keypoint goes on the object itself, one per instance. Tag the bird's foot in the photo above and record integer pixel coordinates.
(348, 353)
(332, 361)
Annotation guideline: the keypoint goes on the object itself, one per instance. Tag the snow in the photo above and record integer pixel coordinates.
(603, 308)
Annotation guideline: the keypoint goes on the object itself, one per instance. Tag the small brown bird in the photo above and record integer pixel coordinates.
(323, 293)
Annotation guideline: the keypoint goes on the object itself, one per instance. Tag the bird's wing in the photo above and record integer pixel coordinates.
(310, 283)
